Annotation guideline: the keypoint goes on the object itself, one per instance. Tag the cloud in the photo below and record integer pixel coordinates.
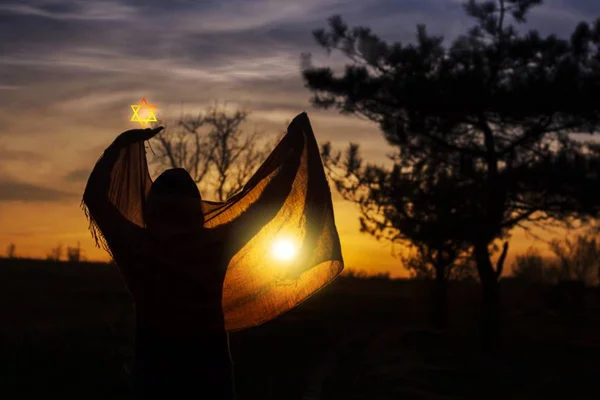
(198, 42)
(72, 65)
(7, 154)
(214, 41)
(186, 51)
(230, 16)
(72, 10)
(78, 175)
(12, 190)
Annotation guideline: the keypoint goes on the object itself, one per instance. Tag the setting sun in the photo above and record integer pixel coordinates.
(284, 249)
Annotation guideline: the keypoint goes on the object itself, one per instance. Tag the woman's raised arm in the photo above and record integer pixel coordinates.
(115, 193)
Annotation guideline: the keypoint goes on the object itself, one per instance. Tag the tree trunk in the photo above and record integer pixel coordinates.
(440, 298)
(490, 318)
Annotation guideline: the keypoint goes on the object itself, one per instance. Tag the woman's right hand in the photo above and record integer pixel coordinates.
(137, 135)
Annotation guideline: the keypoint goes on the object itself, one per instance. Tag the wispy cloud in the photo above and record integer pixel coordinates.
(11, 190)
(242, 16)
(8, 154)
(72, 10)
(78, 175)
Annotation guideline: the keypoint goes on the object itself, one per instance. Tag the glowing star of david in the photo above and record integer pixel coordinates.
(143, 105)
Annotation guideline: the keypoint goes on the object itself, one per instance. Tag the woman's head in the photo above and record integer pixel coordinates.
(174, 203)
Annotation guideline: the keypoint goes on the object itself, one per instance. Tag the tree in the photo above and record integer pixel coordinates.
(578, 259)
(575, 259)
(74, 253)
(423, 264)
(10, 251)
(213, 148)
(498, 102)
(410, 207)
(55, 253)
(427, 263)
(532, 267)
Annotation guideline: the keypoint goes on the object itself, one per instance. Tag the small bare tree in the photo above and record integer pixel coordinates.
(532, 267)
(55, 253)
(578, 259)
(10, 251)
(424, 263)
(214, 148)
(74, 253)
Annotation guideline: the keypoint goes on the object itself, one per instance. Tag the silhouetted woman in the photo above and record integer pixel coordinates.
(174, 251)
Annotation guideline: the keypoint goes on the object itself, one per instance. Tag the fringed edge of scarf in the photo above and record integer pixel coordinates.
(95, 230)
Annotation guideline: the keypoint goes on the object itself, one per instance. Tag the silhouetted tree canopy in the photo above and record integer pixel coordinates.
(417, 207)
(494, 110)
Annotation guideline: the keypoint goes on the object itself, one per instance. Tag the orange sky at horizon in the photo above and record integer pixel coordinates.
(37, 227)
(36, 230)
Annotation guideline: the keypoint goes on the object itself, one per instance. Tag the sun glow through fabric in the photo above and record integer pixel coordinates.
(284, 249)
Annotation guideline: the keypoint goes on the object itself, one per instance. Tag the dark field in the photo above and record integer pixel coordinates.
(66, 333)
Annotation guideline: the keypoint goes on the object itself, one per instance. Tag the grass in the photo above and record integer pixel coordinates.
(66, 330)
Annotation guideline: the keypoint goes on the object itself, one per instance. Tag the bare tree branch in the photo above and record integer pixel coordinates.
(214, 148)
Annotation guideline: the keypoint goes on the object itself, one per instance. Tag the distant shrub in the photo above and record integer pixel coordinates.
(74, 253)
(381, 275)
(578, 259)
(10, 251)
(55, 254)
(420, 267)
(575, 260)
(532, 267)
(362, 274)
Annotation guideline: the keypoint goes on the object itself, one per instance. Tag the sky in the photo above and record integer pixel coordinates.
(70, 69)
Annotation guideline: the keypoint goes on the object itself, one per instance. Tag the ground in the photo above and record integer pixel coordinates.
(66, 330)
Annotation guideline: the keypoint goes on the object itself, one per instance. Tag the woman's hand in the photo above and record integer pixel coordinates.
(137, 135)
